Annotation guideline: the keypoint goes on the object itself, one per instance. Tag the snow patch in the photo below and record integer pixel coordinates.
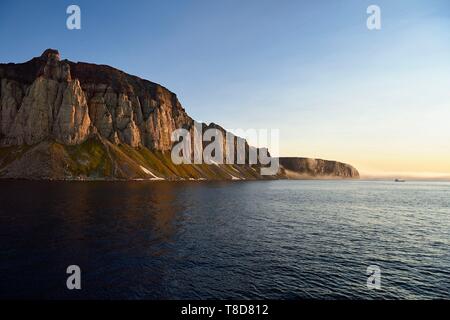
(151, 174)
(199, 179)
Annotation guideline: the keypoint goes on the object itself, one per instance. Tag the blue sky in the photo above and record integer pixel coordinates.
(377, 99)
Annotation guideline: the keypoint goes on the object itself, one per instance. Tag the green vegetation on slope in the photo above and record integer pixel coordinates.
(98, 158)
(89, 159)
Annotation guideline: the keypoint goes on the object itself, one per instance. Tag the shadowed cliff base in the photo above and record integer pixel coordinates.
(61, 120)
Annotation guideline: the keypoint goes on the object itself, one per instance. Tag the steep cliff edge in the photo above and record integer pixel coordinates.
(46, 98)
(307, 168)
(65, 120)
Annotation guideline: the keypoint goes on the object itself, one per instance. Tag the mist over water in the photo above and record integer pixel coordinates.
(241, 240)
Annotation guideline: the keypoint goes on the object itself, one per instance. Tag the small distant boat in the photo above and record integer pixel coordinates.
(399, 180)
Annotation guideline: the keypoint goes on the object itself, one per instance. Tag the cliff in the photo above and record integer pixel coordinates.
(46, 98)
(307, 168)
(65, 120)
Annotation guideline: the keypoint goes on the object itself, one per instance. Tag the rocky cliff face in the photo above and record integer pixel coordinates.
(47, 98)
(65, 120)
(306, 168)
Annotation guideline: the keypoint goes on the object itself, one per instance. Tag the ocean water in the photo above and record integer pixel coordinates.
(238, 240)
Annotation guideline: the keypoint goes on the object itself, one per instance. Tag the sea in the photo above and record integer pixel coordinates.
(225, 240)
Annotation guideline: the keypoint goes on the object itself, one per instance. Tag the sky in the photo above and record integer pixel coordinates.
(377, 99)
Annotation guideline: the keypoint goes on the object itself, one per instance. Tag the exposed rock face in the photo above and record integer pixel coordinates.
(60, 119)
(304, 168)
(48, 98)
(52, 105)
